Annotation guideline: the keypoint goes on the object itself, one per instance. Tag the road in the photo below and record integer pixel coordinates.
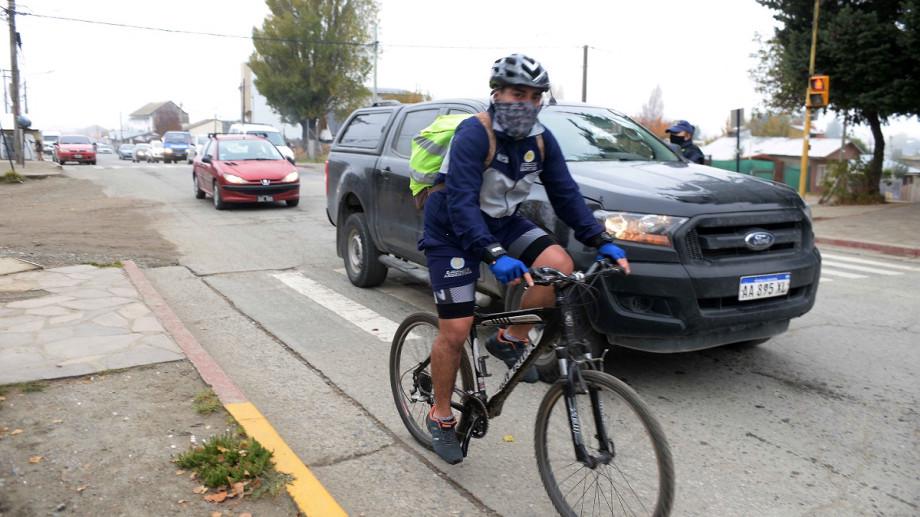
(822, 420)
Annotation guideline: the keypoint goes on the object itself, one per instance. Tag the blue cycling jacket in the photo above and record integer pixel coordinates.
(481, 202)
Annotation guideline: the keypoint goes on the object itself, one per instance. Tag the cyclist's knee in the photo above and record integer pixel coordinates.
(555, 257)
(455, 331)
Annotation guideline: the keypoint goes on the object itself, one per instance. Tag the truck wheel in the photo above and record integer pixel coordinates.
(361, 254)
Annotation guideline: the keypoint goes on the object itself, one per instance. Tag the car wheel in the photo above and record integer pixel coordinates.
(218, 201)
(293, 202)
(92, 162)
(361, 254)
(199, 194)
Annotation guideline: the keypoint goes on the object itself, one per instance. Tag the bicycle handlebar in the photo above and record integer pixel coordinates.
(550, 276)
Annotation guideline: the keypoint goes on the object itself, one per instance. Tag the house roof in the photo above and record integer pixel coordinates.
(724, 148)
(150, 107)
(202, 123)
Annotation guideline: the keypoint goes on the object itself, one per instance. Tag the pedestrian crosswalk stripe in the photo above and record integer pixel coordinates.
(864, 269)
(868, 262)
(843, 274)
(825, 279)
(355, 313)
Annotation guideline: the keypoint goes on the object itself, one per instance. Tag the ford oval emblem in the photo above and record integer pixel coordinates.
(759, 240)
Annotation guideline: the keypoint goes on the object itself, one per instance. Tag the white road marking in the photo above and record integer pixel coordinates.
(825, 271)
(864, 269)
(825, 279)
(868, 262)
(358, 315)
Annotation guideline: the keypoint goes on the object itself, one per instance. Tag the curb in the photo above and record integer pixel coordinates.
(308, 493)
(887, 249)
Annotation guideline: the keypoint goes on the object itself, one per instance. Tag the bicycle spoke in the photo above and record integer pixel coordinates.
(629, 485)
(614, 490)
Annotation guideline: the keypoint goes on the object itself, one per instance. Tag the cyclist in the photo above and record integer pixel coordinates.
(473, 217)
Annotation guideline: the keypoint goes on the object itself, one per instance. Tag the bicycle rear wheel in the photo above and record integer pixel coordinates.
(410, 373)
(636, 478)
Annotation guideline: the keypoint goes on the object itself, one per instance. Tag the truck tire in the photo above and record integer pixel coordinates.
(361, 254)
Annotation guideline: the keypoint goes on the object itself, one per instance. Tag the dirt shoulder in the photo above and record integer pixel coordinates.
(59, 221)
(103, 445)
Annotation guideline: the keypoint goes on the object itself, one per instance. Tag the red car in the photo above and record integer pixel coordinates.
(244, 169)
(74, 148)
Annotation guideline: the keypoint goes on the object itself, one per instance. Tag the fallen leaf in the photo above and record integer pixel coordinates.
(181, 501)
(238, 489)
(200, 489)
(2, 398)
(222, 449)
(14, 432)
(36, 459)
(80, 489)
(57, 421)
(193, 475)
(508, 438)
(245, 514)
(180, 472)
(216, 498)
(217, 514)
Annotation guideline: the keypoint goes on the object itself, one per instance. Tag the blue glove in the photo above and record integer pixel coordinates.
(611, 251)
(507, 269)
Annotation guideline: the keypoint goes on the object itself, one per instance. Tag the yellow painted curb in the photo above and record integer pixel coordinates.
(309, 494)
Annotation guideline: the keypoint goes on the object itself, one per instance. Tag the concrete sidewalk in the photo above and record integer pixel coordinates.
(35, 169)
(890, 228)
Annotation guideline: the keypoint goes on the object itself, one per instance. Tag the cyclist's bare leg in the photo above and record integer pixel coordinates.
(445, 361)
(543, 296)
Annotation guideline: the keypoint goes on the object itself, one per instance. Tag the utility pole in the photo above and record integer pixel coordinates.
(806, 130)
(376, 50)
(584, 74)
(25, 96)
(14, 64)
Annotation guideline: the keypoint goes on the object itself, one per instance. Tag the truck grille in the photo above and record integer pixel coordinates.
(721, 237)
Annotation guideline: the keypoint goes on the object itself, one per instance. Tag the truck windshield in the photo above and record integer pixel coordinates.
(597, 134)
(177, 138)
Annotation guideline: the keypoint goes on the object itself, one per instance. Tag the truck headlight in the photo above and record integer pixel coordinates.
(290, 177)
(642, 228)
(167, 151)
(232, 178)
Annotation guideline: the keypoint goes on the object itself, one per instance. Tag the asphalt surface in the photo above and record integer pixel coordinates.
(819, 421)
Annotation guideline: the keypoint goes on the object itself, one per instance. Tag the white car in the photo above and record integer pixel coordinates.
(104, 149)
(195, 150)
(273, 135)
(155, 153)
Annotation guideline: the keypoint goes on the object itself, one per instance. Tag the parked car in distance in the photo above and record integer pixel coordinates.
(717, 257)
(176, 145)
(155, 154)
(126, 152)
(74, 148)
(140, 153)
(49, 138)
(273, 135)
(104, 149)
(244, 169)
(195, 150)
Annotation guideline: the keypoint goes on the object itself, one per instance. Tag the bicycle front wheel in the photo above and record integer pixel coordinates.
(634, 474)
(410, 373)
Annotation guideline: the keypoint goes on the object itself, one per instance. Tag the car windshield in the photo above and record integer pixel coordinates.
(75, 140)
(273, 136)
(177, 138)
(238, 150)
(142, 146)
(598, 134)
(52, 139)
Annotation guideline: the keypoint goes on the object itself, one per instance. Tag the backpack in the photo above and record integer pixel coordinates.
(429, 148)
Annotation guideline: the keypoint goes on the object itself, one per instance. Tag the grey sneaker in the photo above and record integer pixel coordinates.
(509, 352)
(444, 439)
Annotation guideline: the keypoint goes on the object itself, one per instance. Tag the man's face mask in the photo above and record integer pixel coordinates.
(676, 139)
(516, 118)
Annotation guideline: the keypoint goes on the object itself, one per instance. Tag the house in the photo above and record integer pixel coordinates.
(155, 116)
(210, 125)
(786, 155)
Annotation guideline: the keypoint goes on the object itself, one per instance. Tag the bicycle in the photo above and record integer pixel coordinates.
(593, 401)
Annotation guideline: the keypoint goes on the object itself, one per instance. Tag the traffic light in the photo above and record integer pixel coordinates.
(819, 87)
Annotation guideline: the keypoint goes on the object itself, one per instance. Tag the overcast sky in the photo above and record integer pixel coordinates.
(79, 74)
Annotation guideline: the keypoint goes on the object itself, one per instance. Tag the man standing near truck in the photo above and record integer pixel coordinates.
(473, 218)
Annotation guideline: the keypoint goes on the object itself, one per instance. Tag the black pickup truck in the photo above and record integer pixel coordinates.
(717, 257)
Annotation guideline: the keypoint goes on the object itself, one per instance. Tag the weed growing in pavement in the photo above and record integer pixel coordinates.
(12, 177)
(31, 387)
(271, 483)
(206, 402)
(226, 459)
(117, 264)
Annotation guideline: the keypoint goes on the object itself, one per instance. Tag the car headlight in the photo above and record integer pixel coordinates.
(167, 151)
(293, 176)
(231, 178)
(642, 228)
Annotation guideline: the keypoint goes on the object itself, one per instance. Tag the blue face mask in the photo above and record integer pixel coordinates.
(516, 118)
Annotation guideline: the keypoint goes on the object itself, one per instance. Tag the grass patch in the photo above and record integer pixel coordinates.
(11, 177)
(226, 459)
(206, 402)
(117, 264)
(271, 483)
(31, 387)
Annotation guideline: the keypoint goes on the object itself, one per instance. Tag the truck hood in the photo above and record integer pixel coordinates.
(254, 170)
(677, 188)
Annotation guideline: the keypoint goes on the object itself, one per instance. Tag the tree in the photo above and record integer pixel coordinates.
(770, 124)
(166, 120)
(311, 58)
(652, 114)
(869, 48)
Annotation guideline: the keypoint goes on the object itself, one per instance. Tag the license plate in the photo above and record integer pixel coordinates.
(763, 286)
(265, 199)
(78, 156)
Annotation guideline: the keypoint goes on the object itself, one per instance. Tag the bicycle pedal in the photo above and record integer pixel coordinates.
(483, 370)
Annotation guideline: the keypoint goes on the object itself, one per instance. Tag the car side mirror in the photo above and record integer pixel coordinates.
(206, 159)
(290, 160)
